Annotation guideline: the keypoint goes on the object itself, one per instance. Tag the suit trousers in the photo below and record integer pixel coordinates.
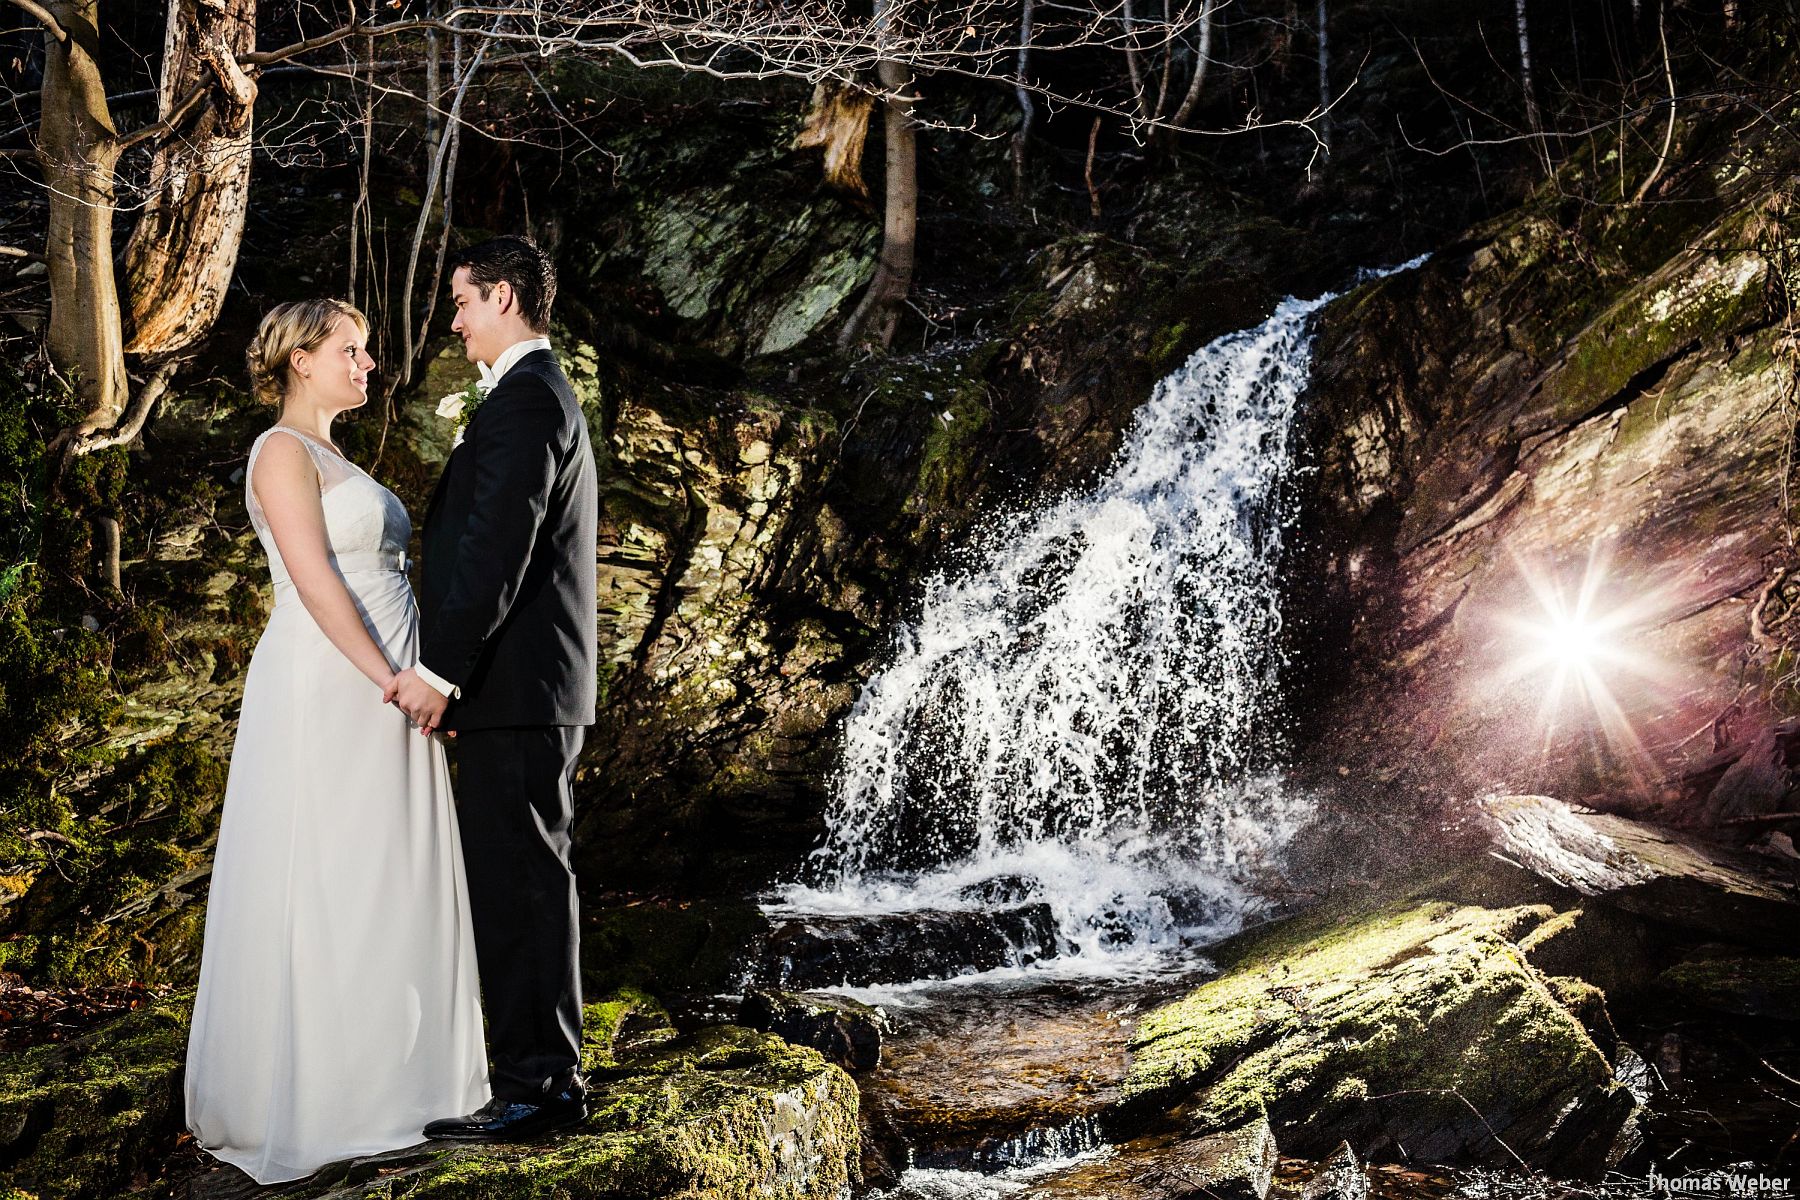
(515, 811)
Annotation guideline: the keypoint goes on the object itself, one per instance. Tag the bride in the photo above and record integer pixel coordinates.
(338, 1007)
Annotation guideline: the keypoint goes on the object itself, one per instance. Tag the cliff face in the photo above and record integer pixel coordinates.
(759, 540)
(1586, 407)
(1580, 372)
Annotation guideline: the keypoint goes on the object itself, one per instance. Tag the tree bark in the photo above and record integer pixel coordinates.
(1202, 59)
(1532, 120)
(78, 149)
(875, 318)
(1027, 109)
(837, 122)
(184, 248)
(1324, 123)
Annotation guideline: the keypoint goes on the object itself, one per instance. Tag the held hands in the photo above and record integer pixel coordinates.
(423, 704)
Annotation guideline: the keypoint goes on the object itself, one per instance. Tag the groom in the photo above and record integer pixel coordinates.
(507, 664)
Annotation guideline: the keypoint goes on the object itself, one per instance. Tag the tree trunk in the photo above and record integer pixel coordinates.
(1202, 60)
(78, 149)
(875, 318)
(1532, 120)
(1324, 123)
(184, 249)
(1027, 110)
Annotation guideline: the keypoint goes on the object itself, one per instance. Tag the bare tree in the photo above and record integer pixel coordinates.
(879, 311)
(1027, 108)
(183, 250)
(1534, 121)
(1155, 50)
(1324, 126)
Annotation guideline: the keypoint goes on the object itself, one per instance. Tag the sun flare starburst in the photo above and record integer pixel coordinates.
(1587, 647)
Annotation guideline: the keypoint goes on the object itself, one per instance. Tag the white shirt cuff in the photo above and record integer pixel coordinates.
(442, 686)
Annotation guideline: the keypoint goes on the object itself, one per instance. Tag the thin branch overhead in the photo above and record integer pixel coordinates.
(811, 40)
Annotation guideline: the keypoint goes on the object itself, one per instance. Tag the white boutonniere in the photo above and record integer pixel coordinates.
(458, 408)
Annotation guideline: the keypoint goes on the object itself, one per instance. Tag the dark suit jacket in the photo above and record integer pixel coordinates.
(507, 608)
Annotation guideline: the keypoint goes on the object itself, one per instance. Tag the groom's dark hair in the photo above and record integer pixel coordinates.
(525, 267)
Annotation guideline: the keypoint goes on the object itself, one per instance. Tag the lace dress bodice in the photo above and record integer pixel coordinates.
(365, 524)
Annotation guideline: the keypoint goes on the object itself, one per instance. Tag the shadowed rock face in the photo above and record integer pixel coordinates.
(1573, 392)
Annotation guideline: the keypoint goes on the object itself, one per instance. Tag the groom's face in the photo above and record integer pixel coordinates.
(479, 319)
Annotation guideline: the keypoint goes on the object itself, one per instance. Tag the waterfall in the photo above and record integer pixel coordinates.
(1085, 713)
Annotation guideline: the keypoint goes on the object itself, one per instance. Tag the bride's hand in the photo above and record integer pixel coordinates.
(388, 687)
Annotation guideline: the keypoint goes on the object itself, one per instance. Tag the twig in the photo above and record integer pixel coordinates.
(1669, 132)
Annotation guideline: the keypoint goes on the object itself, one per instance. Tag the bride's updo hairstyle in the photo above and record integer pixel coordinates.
(301, 325)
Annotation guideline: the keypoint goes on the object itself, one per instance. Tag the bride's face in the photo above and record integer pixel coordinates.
(336, 373)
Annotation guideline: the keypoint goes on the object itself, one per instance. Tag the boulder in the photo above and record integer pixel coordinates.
(843, 1030)
(1417, 1024)
(726, 1112)
(1673, 877)
(87, 1118)
(1602, 946)
(1231, 1164)
(1340, 1178)
(819, 951)
(1739, 986)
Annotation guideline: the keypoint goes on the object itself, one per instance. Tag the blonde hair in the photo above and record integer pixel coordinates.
(300, 325)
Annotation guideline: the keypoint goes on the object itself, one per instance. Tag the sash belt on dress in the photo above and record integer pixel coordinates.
(357, 562)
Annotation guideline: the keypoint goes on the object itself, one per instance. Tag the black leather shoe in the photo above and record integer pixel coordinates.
(511, 1120)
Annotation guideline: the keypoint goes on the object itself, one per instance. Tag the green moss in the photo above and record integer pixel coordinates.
(956, 434)
(99, 1113)
(1768, 987)
(86, 920)
(1404, 1015)
(1651, 323)
(602, 1021)
(723, 1112)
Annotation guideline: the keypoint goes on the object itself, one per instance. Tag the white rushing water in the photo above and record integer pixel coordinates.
(1088, 709)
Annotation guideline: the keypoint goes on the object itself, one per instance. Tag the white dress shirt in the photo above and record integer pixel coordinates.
(490, 376)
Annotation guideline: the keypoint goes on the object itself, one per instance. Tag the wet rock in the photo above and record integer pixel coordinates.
(723, 1111)
(1002, 889)
(1417, 1024)
(1746, 987)
(1340, 1178)
(981, 1078)
(1671, 876)
(843, 1030)
(1231, 1164)
(818, 952)
(669, 948)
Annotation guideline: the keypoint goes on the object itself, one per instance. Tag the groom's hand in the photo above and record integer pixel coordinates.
(423, 704)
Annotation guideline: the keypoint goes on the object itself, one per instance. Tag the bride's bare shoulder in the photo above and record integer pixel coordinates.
(280, 464)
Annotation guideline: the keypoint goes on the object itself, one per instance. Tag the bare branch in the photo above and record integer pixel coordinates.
(45, 17)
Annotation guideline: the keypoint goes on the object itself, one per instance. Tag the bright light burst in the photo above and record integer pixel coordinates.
(1587, 649)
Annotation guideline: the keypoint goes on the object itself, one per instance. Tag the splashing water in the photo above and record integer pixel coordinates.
(1090, 711)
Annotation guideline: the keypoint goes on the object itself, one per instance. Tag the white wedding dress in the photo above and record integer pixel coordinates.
(338, 1009)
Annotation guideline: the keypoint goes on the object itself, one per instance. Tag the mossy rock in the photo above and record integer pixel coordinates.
(92, 1116)
(1746, 987)
(723, 1112)
(1420, 1025)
